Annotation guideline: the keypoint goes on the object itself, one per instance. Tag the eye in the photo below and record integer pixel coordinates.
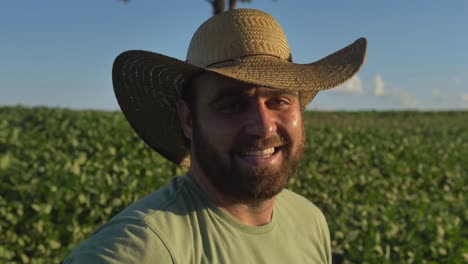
(279, 103)
(232, 106)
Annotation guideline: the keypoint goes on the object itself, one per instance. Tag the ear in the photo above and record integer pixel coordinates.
(185, 118)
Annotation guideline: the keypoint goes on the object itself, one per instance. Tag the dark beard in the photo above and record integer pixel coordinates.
(248, 185)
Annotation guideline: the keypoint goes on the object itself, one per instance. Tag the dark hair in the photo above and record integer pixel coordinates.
(188, 95)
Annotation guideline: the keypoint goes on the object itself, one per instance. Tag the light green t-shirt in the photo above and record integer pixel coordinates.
(179, 224)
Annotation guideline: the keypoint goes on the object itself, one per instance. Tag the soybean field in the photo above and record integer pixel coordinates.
(392, 185)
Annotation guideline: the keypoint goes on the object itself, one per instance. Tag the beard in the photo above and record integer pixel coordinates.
(246, 184)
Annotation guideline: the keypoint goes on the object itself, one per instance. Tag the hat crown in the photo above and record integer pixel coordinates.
(236, 34)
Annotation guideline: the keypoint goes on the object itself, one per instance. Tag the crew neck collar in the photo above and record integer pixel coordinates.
(225, 215)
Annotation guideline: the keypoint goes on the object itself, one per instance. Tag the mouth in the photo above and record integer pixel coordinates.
(260, 153)
(259, 157)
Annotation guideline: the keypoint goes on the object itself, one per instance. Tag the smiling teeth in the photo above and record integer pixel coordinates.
(259, 152)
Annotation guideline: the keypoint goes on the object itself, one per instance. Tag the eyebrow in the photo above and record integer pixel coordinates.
(276, 92)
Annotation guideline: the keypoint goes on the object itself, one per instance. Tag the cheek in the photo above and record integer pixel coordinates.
(293, 123)
(220, 132)
(296, 122)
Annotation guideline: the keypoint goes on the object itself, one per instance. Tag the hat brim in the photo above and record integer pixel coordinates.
(148, 85)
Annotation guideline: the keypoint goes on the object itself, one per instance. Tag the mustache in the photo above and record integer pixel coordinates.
(252, 144)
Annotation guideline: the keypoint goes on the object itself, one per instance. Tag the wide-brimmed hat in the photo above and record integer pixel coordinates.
(244, 44)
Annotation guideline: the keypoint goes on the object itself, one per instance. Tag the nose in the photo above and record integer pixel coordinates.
(261, 121)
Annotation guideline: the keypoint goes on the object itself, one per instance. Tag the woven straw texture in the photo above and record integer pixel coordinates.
(244, 44)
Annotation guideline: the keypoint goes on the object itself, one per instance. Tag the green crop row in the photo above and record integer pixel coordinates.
(392, 185)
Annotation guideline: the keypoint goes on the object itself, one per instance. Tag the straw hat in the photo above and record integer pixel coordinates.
(243, 44)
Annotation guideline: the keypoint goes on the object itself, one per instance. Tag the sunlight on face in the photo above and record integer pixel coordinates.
(247, 140)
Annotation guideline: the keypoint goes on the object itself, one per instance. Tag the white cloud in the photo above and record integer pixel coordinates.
(464, 97)
(458, 80)
(436, 93)
(404, 98)
(353, 86)
(379, 85)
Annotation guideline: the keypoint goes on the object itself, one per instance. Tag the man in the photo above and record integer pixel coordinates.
(232, 113)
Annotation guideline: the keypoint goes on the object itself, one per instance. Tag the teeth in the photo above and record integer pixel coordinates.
(259, 152)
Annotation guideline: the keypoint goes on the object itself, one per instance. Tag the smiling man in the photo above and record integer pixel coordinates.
(232, 114)
(247, 141)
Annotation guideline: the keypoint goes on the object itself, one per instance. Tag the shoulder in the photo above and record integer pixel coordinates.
(128, 236)
(304, 219)
(294, 200)
(121, 241)
(300, 208)
(169, 197)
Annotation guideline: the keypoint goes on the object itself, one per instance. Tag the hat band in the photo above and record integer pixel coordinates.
(242, 57)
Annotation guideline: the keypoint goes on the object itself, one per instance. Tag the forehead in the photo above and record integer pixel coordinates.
(212, 85)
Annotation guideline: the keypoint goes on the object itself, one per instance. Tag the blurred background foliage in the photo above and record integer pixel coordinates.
(391, 184)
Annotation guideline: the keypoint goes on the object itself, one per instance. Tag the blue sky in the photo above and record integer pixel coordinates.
(60, 53)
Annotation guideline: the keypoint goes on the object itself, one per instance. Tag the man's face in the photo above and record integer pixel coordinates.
(246, 140)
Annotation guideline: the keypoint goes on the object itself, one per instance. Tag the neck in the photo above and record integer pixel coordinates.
(255, 213)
